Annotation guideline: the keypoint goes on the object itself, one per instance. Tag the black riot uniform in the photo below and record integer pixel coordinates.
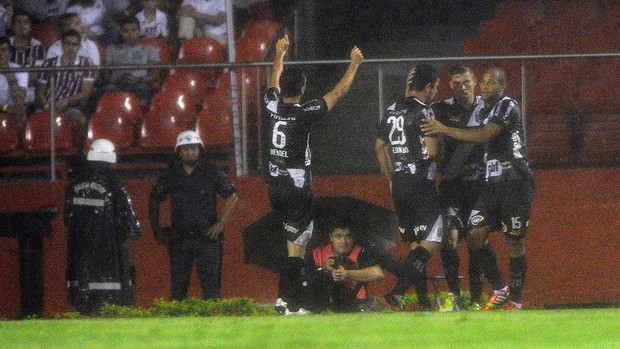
(100, 219)
(287, 135)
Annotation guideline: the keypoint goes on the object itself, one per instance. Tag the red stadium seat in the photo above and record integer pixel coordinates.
(261, 10)
(159, 130)
(253, 99)
(178, 103)
(165, 50)
(203, 50)
(187, 81)
(125, 102)
(266, 29)
(47, 32)
(113, 125)
(9, 133)
(37, 137)
(251, 49)
(215, 124)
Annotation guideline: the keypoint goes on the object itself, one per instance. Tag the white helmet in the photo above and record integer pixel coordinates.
(102, 150)
(188, 137)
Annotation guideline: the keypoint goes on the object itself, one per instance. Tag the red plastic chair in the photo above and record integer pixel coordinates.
(178, 103)
(125, 102)
(159, 130)
(203, 50)
(215, 127)
(263, 28)
(251, 88)
(251, 49)
(113, 125)
(37, 136)
(165, 50)
(9, 133)
(46, 32)
(261, 10)
(186, 81)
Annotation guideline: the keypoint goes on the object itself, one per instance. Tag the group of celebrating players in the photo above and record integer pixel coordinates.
(457, 171)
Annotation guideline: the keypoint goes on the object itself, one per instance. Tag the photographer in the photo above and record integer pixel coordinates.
(339, 273)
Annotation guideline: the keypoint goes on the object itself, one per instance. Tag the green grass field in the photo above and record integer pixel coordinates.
(587, 328)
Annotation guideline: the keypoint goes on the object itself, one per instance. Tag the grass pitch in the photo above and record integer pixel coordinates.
(587, 328)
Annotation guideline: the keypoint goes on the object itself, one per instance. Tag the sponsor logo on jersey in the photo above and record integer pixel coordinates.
(290, 229)
(312, 108)
(420, 228)
(402, 230)
(476, 220)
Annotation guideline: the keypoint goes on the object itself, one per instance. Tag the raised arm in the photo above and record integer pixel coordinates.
(278, 64)
(343, 86)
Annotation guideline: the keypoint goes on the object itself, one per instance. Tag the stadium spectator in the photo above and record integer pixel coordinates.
(203, 18)
(6, 15)
(507, 195)
(338, 273)
(196, 233)
(461, 174)
(27, 52)
(92, 15)
(141, 82)
(288, 124)
(153, 21)
(88, 48)
(72, 88)
(100, 220)
(12, 85)
(406, 158)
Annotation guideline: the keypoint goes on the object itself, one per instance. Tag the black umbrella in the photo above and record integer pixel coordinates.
(264, 241)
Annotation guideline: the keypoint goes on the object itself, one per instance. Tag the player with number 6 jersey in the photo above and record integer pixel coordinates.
(287, 124)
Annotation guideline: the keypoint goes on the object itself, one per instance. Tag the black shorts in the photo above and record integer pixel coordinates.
(507, 204)
(294, 206)
(457, 199)
(417, 207)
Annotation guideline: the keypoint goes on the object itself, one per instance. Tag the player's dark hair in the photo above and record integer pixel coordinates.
(128, 20)
(292, 82)
(461, 69)
(423, 75)
(65, 19)
(501, 74)
(71, 32)
(5, 41)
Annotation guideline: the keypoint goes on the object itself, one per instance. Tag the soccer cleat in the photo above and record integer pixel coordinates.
(394, 302)
(301, 311)
(280, 307)
(497, 299)
(512, 306)
(452, 303)
(474, 306)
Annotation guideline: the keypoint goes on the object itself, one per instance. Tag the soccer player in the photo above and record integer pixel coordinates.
(507, 195)
(287, 125)
(461, 171)
(406, 157)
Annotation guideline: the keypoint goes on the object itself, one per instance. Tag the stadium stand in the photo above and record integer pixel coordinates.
(47, 32)
(125, 102)
(189, 82)
(37, 136)
(175, 103)
(159, 130)
(9, 134)
(113, 125)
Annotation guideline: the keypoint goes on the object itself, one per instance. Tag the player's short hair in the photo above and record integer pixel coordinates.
(423, 74)
(71, 32)
(65, 19)
(128, 20)
(461, 69)
(501, 74)
(292, 82)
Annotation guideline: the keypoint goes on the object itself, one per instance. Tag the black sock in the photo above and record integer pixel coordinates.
(476, 279)
(291, 283)
(518, 267)
(414, 270)
(488, 263)
(450, 262)
(387, 261)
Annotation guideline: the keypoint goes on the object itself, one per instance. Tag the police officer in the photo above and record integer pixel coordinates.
(99, 218)
(196, 233)
(287, 125)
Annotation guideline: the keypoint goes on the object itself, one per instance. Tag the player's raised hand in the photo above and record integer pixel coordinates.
(356, 55)
(282, 45)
